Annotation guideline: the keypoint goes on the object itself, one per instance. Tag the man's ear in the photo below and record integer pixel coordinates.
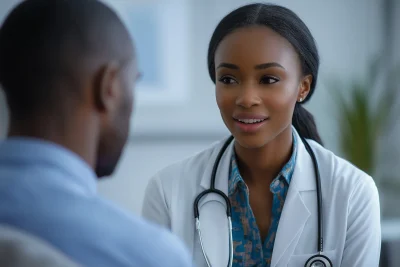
(106, 87)
(305, 87)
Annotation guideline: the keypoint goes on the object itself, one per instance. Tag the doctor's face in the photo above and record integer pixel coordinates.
(258, 81)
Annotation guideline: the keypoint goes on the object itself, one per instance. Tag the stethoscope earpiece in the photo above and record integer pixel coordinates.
(318, 261)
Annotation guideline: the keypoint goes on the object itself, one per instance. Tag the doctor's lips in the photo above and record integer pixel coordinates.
(250, 118)
(249, 123)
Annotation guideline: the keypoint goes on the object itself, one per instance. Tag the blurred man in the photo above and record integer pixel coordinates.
(68, 68)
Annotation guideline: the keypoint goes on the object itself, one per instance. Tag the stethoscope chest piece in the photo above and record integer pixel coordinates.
(318, 261)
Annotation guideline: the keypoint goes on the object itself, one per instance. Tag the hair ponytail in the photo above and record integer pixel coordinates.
(305, 124)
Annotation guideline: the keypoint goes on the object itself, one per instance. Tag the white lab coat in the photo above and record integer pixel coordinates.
(352, 234)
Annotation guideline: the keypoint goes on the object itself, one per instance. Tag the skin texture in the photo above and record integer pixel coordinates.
(258, 73)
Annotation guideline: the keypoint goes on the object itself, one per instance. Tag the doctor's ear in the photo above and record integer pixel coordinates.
(305, 87)
(106, 87)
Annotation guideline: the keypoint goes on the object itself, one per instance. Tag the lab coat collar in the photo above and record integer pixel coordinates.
(222, 175)
(303, 175)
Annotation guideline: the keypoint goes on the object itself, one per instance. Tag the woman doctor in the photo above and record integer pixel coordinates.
(264, 62)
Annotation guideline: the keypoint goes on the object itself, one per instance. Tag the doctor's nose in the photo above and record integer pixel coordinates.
(248, 97)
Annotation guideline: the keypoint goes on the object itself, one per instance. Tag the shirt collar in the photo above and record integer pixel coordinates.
(235, 179)
(37, 151)
(287, 170)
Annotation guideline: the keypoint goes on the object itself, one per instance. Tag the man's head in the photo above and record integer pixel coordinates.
(68, 66)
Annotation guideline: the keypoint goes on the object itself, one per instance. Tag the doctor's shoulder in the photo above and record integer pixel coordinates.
(179, 179)
(338, 171)
(345, 184)
(188, 167)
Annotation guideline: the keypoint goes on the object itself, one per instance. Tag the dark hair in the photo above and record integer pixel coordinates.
(286, 23)
(46, 45)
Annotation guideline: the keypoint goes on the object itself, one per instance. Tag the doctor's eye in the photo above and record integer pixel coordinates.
(227, 80)
(268, 80)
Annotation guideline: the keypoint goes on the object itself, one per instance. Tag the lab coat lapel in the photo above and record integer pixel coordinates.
(222, 175)
(212, 210)
(295, 212)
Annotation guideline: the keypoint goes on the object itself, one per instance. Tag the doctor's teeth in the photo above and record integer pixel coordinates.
(250, 120)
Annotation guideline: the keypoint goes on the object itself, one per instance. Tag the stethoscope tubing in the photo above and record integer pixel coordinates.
(320, 242)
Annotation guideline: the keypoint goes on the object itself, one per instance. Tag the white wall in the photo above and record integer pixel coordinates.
(390, 148)
(348, 33)
(396, 31)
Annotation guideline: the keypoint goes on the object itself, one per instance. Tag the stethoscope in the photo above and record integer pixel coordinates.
(318, 260)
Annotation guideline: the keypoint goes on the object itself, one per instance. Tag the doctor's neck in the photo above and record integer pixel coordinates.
(259, 166)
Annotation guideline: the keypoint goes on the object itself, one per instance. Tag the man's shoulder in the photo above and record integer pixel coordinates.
(163, 248)
(143, 243)
(104, 234)
(96, 232)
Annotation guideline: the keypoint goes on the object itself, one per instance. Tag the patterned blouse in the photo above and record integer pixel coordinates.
(248, 248)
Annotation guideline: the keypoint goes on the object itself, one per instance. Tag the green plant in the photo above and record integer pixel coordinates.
(363, 116)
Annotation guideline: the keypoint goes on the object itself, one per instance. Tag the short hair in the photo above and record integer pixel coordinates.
(48, 44)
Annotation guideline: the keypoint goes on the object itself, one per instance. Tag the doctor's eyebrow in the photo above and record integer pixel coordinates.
(228, 65)
(257, 67)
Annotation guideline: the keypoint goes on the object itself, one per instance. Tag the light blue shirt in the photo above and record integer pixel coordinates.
(51, 193)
